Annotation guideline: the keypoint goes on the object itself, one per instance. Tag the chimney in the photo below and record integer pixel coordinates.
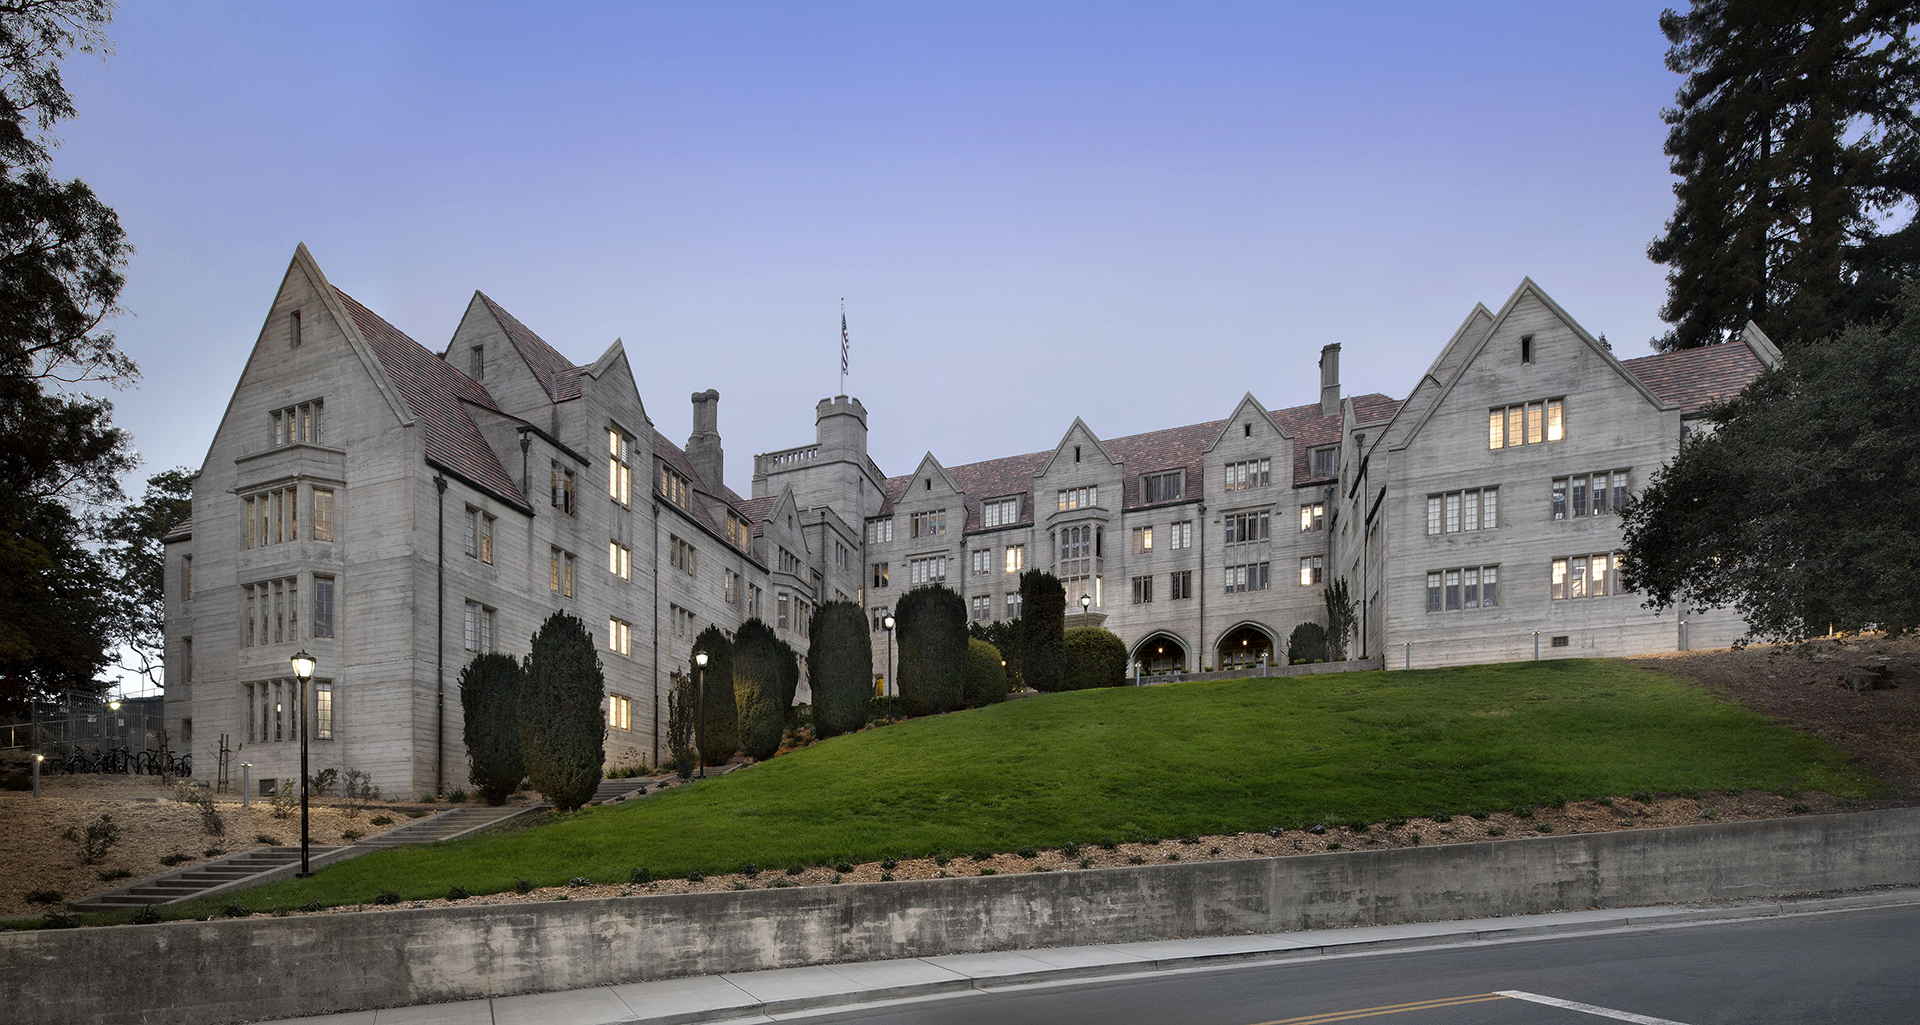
(1330, 380)
(703, 446)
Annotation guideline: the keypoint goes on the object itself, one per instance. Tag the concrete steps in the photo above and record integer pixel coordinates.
(611, 790)
(447, 825)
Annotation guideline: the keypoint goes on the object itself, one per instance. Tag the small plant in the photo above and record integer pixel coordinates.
(578, 881)
(145, 916)
(1482, 816)
(235, 909)
(380, 820)
(59, 920)
(1709, 813)
(738, 885)
(1190, 839)
(750, 870)
(387, 897)
(1334, 846)
(323, 782)
(1604, 802)
(1496, 831)
(1734, 791)
(350, 835)
(1642, 796)
(175, 858)
(1359, 827)
(1107, 844)
(1274, 831)
(695, 877)
(359, 791)
(427, 799)
(1136, 860)
(1086, 862)
(1413, 838)
(1801, 809)
(1543, 827)
(846, 867)
(1153, 841)
(1523, 813)
(1071, 850)
(639, 877)
(779, 884)
(458, 796)
(1028, 853)
(1690, 793)
(213, 852)
(210, 821)
(942, 860)
(270, 841)
(836, 879)
(989, 871)
(1317, 829)
(1173, 855)
(284, 801)
(43, 897)
(889, 864)
(96, 841)
(1213, 850)
(310, 907)
(1441, 817)
(794, 870)
(980, 855)
(885, 877)
(115, 873)
(457, 893)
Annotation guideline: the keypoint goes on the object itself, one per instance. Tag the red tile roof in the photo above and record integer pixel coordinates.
(557, 374)
(1697, 378)
(436, 394)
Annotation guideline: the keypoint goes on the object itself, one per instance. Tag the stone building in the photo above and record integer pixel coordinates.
(380, 505)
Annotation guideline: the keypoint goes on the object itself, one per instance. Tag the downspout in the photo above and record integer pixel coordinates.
(1202, 518)
(440, 645)
(656, 633)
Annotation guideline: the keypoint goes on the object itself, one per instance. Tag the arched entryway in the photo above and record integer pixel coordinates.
(1160, 654)
(1243, 645)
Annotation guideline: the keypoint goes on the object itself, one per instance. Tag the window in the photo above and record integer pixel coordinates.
(1142, 540)
(323, 606)
(683, 622)
(1016, 558)
(273, 517)
(1077, 498)
(674, 487)
(681, 555)
(619, 712)
(293, 329)
(929, 524)
(479, 635)
(1526, 424)
(1142, 590)
(477, 362)
(186, 578)
(1162, 487)
(982, 608)
(1313, 517)
(560, 572)
(186, 659)
(1470, 587)
(753, 601)
(1595, 494)
(1326, 462)
(1312, 570)
(1013, 605)
(1246, 526)
(930, 570)
(880, 574)
(1180, 535)
(789, 562)
(323, 514)
(981, 562)
(1587, 576)
(880, 532)
(297, 424)
(620, 560)
(1526, 349)
(1252, 576)
(879, 618)
(1180, 585)
(479, 536)
(739, 534)
(783, 604)
(619, 636)
(1251, 473)
(1463, 510)
(322, 710)
(840, 558)
(619, 467)
(272, 611)
(1000, 512)
(562, 489)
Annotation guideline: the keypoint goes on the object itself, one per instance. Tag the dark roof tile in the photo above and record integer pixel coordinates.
(557, 374)
(1697, 378)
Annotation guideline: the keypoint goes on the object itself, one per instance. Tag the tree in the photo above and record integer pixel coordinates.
(490, 725)
(1043, 618)
(1096, 657)
(932, 623)
(562, 729)
(1793, 134)
(986, 677)
(131, 543)
(683, 696)
(1340, 620)
(758, 685)
(719, 732)
(1799, 509)
(1307, 643)
(789, 674)
(840, 666)
(1003, 634)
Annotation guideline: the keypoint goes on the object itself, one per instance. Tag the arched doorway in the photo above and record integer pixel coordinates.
(1243, 645)
(1159, 655)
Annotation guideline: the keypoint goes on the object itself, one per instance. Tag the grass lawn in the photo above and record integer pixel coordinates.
(1148, 762)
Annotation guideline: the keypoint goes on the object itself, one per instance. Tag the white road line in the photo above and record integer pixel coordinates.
(1604, 1012)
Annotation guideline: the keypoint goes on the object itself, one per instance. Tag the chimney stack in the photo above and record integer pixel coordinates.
(703, 446)
(1330, 380)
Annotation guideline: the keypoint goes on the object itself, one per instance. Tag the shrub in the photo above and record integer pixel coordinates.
(43, 896)
(459, 796)
(1096, 657)
(562, 731)
(1005, 635)
(115, 873)
(639, 877)
(840, 665)
(323, 782)
(210, 821)
(145, 916)
(1043, 623)
(380, 820)
(1307, 643)
(758, 685)
(270, 841)
(59, 920)
(175, 858)
(789, 675)
(1341, 610)
(285, 800)
(931, 621)
(490, 725)
(718, 733)
(96, 841)
(235, 909)
(359, 791)
(682, 697)
(986, 677)
(387, 897)
(523, 886)
(457, 893)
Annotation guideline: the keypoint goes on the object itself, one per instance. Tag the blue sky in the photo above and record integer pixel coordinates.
(1133, 214)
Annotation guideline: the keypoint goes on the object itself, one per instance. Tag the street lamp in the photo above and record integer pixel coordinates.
(1086, 608)
(700, 715)
(888, 623)
(37, 759)
(303, 671)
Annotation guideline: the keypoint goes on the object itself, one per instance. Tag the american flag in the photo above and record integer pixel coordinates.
(843, 338)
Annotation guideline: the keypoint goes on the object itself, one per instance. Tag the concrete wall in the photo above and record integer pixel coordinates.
(269, 967)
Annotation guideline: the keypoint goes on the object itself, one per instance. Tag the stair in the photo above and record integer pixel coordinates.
(201, 880)
(611, 790)
(447, 825)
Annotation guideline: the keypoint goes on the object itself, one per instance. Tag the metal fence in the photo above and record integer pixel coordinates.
(77, 723)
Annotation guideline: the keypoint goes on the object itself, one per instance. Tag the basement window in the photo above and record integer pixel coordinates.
(1560, 641)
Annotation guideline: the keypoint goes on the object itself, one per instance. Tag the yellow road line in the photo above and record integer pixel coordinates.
(1371, 1012)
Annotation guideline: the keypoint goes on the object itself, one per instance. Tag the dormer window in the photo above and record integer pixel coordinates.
(1000, 512)
(1162, 487)
(1326, 462)
(1250, 473)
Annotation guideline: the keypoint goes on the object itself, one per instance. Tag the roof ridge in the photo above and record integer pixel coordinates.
(553, 369)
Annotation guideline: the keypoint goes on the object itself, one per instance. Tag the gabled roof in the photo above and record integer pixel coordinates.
(181, 531)
(434, 392)
(556, 373)
(665, 451)
(1694, 379)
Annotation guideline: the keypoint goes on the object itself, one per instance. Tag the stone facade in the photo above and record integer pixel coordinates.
(394, 511)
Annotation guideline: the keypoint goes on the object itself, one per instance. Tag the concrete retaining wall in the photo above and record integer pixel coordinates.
(225, 971)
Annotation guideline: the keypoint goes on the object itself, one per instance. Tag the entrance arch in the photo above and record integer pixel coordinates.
(1160, 653)
(1242, 646)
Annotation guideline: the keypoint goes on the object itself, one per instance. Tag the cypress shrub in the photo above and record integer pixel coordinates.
(1005, 635)
(986, 677)
(789, 674)
(840, 667)
(1096, 657)
(1043, 623)
(562, 730)
(932, 623)
(490, 725)
(719, 731)
(758, 685)
(1307, 643)
(683, 697)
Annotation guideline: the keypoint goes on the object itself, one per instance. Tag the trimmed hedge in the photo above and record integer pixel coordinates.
(932, 623)
(1307, 643)
(758, 685)
(1043, 622)
(562, 729)
(718, 735)
(683, 695)
(490, 725)
(986, 677)
(1096, 657)
(840, 667)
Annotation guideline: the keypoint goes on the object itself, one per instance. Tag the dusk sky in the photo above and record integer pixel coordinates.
(1133, 214)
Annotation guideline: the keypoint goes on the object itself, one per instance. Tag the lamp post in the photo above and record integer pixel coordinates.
(37, 759)
(700, 715)
(1086, 608)
(303, 671)
(888, 623)
(107, 727)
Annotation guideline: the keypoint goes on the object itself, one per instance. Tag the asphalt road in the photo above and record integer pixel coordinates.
(1859, 968)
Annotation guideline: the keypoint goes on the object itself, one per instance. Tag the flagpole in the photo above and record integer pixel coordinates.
(843, 346)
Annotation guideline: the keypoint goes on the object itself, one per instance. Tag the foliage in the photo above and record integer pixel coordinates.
(758, 685)
(285, 799)
(1096, 657)
(1798, 510)
(323, 782)
(1307, 643)
(136, 560)
(1043, 614)
(1003, 634)
(682, 698)
(359, 791)
(1341, 609)
(789, 673)
(197, 797)
(96, 841)
(562, 729)
(840, 667)
(1792, 136)
(986, 677)
(932, 623)
(719, 732)
(490, 725)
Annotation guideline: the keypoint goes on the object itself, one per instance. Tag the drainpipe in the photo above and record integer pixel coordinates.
(656, 634)
(1202, 523)
(440, 645)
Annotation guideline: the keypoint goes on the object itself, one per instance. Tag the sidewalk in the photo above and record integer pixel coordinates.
(761, 996)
